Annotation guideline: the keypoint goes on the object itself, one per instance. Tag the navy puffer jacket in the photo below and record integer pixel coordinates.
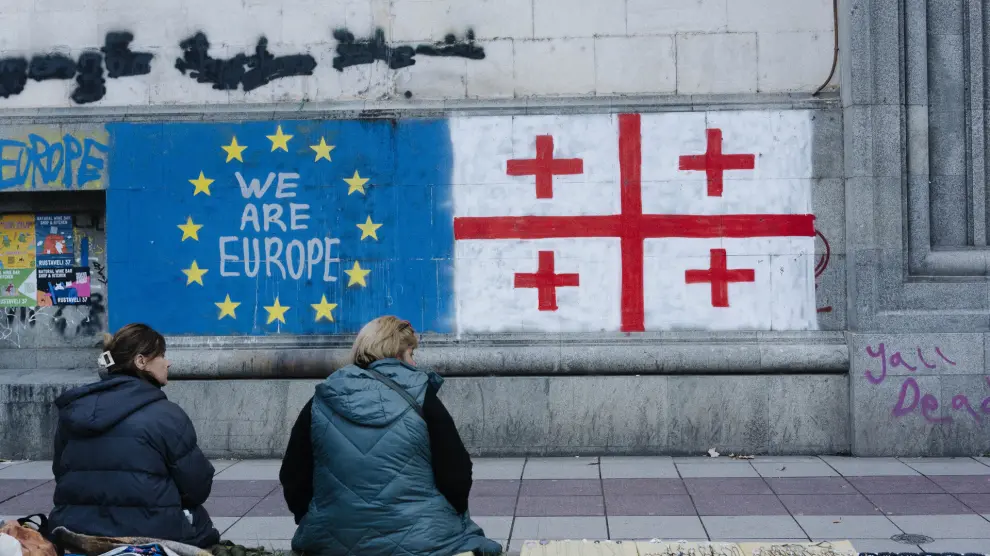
(127, 464)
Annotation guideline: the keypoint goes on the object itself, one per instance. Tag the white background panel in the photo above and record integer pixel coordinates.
(487, 301)
(781, 297)
(484, 145)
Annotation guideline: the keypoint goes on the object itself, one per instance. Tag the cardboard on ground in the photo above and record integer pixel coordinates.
(683, 548)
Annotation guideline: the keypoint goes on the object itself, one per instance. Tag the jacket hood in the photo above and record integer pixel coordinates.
(95, 408)
(357, 396)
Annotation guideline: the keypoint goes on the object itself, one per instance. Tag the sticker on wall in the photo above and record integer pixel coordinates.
(17, 241)
(63, 286)
(54, 240)
(17, 287)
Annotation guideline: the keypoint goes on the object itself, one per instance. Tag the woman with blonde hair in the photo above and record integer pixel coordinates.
(374, 463)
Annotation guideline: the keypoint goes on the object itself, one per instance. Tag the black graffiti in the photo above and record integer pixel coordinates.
(121, 61)
(94, 324)
(90, 85)
(13, 76)
(249, 72)
(100, 272)
(452, 47)
(51, 66)
(354, 52)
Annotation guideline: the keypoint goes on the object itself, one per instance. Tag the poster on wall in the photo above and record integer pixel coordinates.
(63, 286)
(53, 238)
(17, 241)
(17, 287)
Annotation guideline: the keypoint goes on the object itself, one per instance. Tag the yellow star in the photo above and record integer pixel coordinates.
(276, 312)
(369, 229)
(323, 309)
(357, 275)
(227, 308)
(322, 150)
(356, 183)
(194, 274)
(202, 184)
(279, 140)
(189, 229)
(234, 150)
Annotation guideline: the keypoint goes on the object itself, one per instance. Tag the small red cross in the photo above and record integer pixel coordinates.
(720, 277)
(714, 163)
(544, 167)
(546, 281)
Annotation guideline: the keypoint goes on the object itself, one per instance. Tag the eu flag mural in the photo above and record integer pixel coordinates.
(290, 227)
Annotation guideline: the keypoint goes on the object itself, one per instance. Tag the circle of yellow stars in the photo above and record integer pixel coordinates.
(356, 275)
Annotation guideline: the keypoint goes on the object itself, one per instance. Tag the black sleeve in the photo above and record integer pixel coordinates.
(296, 474)
(451, 461)
(188, 466)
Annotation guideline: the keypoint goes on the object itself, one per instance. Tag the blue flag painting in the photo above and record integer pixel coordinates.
(309, 227)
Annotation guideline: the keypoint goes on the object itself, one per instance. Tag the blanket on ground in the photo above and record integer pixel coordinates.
(87, 545)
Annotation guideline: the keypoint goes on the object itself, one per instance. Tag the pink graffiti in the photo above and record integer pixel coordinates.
(910, 397)
(928, 403)
(895, 360)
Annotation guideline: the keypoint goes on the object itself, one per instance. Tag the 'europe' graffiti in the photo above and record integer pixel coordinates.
(88, 70)
(65, 162)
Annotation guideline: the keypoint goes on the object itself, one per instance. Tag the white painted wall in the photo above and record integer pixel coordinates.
(533, 47)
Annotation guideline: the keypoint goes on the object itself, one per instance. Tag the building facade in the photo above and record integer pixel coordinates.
(631, 227)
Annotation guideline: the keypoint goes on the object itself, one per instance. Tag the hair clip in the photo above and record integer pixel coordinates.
(105, 360)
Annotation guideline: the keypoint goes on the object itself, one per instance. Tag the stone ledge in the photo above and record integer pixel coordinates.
(524, 354)
(421, 109)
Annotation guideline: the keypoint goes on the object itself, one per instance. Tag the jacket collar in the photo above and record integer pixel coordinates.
(435, 380)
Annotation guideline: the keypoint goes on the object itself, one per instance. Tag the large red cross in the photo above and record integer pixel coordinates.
(714, 163)
(632, 227)
(720, 277)
(544, 167)
(546, 281)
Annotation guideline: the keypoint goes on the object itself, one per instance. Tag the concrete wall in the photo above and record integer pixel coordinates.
(914, 101)
(532, 48)
(760, 414)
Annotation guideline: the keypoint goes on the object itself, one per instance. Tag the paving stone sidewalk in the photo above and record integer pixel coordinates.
(867, 501)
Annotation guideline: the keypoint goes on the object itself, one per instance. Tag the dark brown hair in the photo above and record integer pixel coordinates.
(129, 342)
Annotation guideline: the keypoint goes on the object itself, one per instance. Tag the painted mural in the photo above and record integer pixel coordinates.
(478, 224)
(41, 158)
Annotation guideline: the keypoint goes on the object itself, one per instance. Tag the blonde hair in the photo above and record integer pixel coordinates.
(383, 338)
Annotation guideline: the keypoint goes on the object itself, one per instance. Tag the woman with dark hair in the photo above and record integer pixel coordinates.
(126, 460)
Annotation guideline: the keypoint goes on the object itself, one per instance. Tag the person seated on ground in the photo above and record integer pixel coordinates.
(126, 460)
(374, 463)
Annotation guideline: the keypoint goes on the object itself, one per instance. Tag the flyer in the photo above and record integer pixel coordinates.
(17, 287)
(17, 241)
(63, 286)
(54, 241)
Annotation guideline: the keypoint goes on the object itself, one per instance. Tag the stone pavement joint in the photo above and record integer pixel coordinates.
(868, 501)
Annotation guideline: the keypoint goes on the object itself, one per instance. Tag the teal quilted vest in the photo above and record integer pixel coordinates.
(373, 487)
